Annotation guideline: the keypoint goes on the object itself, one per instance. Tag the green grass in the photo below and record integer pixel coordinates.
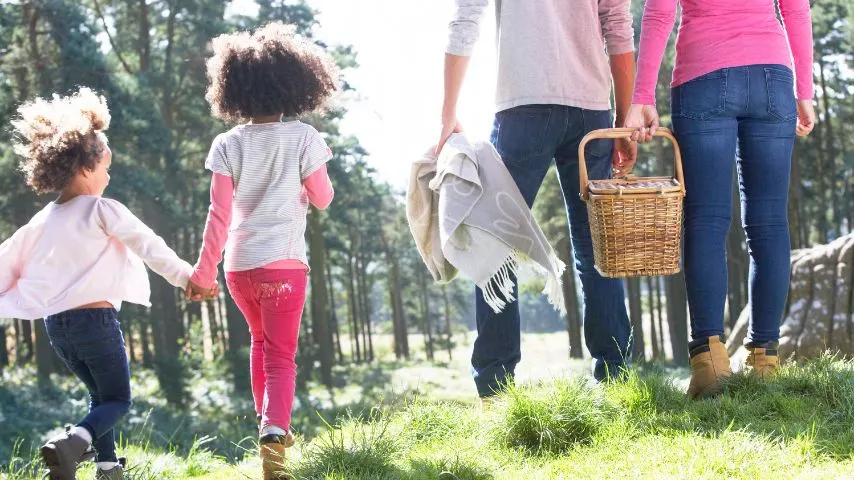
(800, 425)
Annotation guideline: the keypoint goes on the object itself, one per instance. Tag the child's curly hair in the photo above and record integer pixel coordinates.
(269, 72)
(57, 138)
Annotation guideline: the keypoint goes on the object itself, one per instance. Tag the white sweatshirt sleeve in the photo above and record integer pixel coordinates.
(120, 223)
(10, 261)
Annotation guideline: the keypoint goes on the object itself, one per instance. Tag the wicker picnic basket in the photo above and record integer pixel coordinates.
(636, 223)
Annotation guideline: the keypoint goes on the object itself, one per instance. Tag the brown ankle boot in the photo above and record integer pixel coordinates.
(763, 360)
(272, 448)
(63, 453)
(709, 365)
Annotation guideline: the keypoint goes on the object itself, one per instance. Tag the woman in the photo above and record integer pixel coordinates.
(733, 103)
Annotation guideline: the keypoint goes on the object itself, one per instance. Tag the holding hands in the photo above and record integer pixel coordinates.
(196, 293)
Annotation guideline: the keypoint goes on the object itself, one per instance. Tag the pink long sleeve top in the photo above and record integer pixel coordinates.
(715, 34)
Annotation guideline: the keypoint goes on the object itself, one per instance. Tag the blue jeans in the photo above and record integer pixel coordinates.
(744, 117)
(529, 138)
(90, 343)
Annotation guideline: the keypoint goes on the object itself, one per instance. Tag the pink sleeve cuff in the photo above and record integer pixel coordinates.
(319, 188)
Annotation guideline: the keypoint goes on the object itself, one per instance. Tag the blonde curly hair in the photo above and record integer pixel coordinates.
(58, 138)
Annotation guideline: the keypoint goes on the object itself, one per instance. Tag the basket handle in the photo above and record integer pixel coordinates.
(615, 133)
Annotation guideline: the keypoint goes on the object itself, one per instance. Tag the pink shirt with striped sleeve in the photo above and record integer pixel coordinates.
(715, 34)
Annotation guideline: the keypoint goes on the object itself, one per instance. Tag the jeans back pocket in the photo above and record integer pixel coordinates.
(781, 93)
(703, 96)
(521, 131)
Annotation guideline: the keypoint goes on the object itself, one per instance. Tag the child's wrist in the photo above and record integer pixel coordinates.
(198, 278)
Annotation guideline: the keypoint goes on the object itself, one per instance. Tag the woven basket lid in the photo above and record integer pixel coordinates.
(632, 185)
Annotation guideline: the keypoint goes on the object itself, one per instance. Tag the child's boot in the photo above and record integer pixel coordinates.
(272, 448)
(115, 473)
(762, 359)
(63, 452)
(709, 365)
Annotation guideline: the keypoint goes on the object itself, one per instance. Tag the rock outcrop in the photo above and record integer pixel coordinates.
(820, 309)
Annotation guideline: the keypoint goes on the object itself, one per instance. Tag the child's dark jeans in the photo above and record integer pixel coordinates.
(90, 342)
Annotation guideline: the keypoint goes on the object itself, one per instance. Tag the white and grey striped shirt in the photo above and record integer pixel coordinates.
(268, 163)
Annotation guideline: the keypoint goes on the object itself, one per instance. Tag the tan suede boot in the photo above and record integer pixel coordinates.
(762, 361)
(709, 365)
(272, 448)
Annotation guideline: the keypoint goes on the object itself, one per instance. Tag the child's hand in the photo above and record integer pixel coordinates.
(196, 293)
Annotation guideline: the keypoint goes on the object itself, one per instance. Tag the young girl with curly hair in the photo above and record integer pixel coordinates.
(74, 264)
(265, 173)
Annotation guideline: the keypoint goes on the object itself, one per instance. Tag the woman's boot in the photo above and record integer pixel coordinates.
(709, 365)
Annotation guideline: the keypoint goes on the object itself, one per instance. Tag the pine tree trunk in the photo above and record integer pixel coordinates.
(360, 310)
(145, 341)
(831, 152)
(736, 261)
(167, 337)
(821, 184)
(395, 315)
(219, 322)
(239, 343)
(354, 329)
(796, 195)
(207, 334)
(166, 320)
(366, 305)
(28, 351)
(398, 322)
(653, 329)
(636, 316)
(570, 300)
(4, 350)
(333, 310)
(44, 353)
(657, 309)
(127, 332)
(677, 317)
(319, 298)
(425, 312)
(448, 329)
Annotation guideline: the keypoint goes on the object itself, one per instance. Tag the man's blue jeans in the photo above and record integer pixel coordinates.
(529, 138)
(90, 343)
(744, 116)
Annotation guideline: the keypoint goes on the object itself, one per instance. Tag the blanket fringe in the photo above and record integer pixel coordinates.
(498, 290)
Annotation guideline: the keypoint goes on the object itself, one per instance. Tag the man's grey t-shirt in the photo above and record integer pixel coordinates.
(549, 51)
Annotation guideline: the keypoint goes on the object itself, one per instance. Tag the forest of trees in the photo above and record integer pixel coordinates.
(147, 57)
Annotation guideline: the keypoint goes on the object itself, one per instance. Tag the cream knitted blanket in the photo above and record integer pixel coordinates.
(467, 215)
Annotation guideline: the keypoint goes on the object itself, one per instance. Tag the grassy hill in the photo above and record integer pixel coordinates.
(801, 425)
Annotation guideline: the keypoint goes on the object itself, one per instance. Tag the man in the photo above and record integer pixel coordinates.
(554, 86)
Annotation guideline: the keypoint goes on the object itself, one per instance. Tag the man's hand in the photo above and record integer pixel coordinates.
(625, 156)
(450, 125)
(196, 293)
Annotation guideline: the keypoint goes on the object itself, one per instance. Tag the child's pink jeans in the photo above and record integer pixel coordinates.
(272, 302)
